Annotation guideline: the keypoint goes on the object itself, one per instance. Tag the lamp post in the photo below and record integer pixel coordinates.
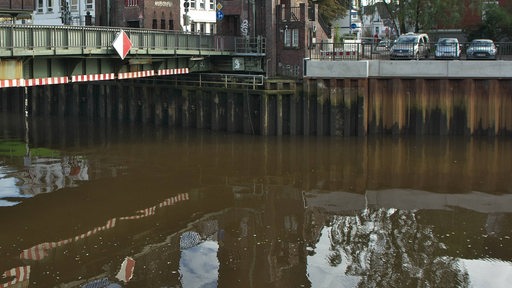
(350, 17)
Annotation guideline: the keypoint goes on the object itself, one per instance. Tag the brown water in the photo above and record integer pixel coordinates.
(205, 209)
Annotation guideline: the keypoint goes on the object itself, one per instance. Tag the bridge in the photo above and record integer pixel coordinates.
(34, 55)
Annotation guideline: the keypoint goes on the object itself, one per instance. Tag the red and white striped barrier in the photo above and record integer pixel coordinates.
(125, 273)
(12, 83)
(138, 74)
(93, 77)
(46, 81)
(33, 82)
(110, 224)
(172, 200)
(20, 274)
(40, 251)
(141, 214)
(176, 71)
(9, 83)
(152, 210)
(339, 54)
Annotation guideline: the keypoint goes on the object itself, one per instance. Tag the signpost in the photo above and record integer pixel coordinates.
(220, 14)
(122, 44)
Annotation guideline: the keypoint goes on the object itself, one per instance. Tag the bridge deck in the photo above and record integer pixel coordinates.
(32, 40)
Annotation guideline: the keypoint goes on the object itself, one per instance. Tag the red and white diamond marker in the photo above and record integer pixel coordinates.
(122, 44)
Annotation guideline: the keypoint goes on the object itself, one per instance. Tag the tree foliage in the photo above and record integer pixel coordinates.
(329, 10)
(496, 25)
(424, 15)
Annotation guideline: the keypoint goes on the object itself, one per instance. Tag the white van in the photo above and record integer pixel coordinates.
(410, 46)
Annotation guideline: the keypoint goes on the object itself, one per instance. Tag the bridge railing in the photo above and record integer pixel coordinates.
(31, 40)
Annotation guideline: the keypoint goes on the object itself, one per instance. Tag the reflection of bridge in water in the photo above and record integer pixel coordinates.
(224, 235)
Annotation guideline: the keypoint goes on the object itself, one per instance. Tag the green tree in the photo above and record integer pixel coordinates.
(329, 10)
(496, 24)
(424, 15)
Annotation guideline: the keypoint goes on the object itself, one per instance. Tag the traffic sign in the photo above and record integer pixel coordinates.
(353, 26)
(122, 44)
(219, 6)
(220, 15)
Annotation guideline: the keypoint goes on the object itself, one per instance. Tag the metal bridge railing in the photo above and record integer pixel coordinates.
(31, 40)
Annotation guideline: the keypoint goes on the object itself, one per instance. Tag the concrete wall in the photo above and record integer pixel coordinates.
(408, 69)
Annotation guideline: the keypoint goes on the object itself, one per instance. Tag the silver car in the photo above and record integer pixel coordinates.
(481, 49)
(410, 46)
(447, 48)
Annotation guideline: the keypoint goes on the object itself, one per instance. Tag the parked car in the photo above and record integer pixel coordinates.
(447, 48)
(481, 49)
(410, 46)
(383, 46)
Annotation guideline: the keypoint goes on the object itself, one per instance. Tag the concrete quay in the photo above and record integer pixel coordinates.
(453, 69)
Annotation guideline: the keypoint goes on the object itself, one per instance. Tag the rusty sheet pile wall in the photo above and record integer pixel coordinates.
(321, 107)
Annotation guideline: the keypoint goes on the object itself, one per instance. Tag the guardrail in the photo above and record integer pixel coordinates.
(34, 40)
(224, 80)
(368, 51)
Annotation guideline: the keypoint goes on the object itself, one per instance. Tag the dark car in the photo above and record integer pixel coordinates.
(481, 49)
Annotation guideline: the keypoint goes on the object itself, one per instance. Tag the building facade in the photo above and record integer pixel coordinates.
(201, 16)
(158, 14)
(64, 12)
(16, 11)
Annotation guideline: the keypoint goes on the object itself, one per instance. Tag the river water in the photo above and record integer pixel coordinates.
(85, 204)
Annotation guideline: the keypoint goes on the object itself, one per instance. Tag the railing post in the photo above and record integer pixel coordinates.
(83, 40)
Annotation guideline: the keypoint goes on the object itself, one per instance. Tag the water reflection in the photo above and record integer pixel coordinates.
(162, 208)
(383, 248)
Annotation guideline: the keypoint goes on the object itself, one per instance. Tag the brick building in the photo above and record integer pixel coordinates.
(290, 27)
(17, 9)
(150, 14)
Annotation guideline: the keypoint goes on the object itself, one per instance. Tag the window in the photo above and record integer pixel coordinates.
(49, 6)
(295, 38)
(192, 27)
(162, 24)
(171, 24)
(201, 28)
(74, 5)
(154, 24)
(201, 4)
(193, 4)
(131, 2)
(40, 6)
(212, 5)
(291, 38)
(89, 4)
